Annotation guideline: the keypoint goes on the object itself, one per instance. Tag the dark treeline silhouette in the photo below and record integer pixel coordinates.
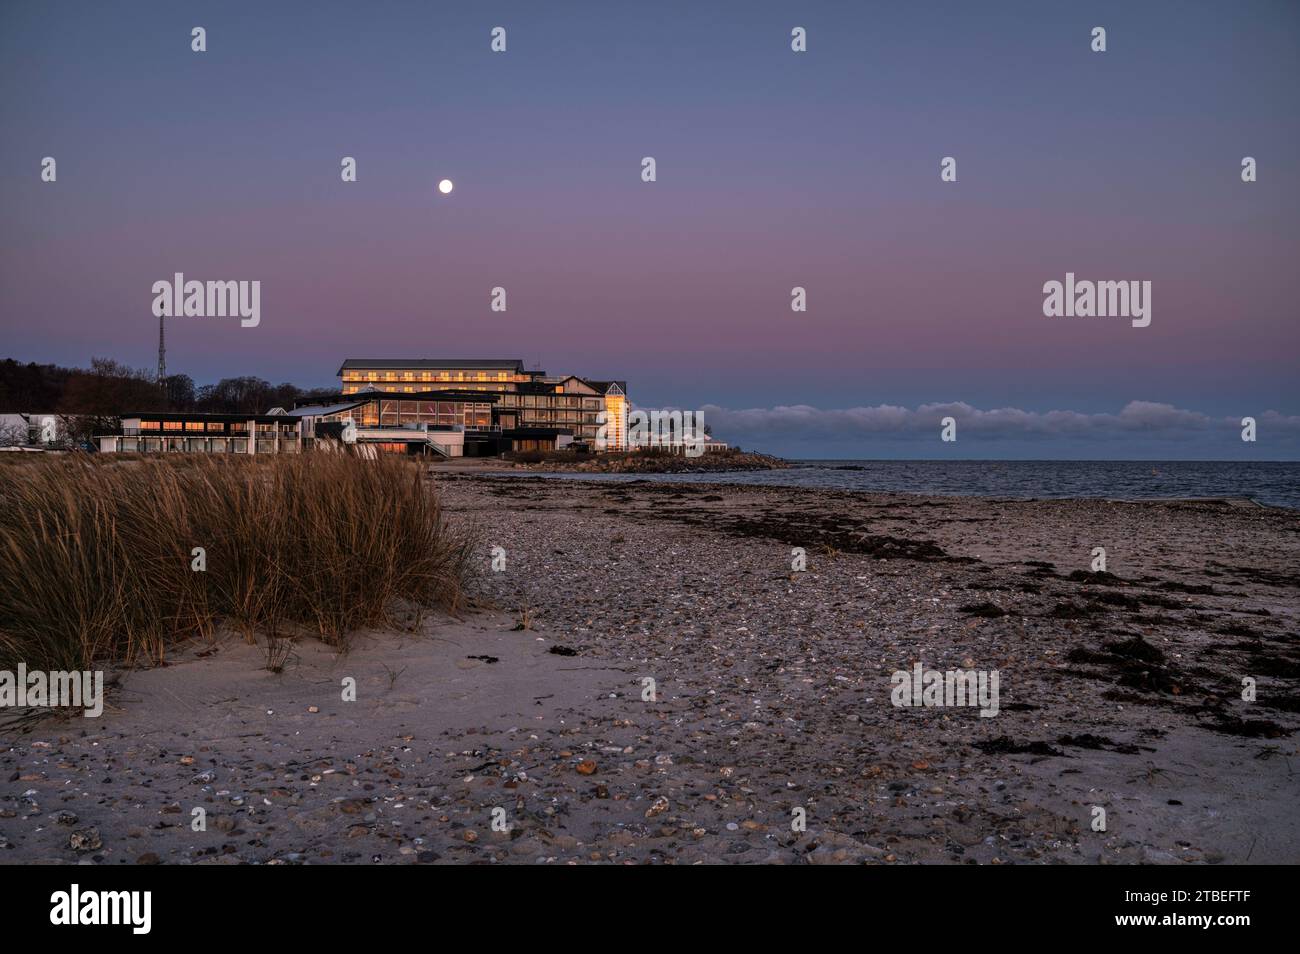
(246, 395)
(106, 390)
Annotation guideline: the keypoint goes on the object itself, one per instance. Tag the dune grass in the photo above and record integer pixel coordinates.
(96, 554)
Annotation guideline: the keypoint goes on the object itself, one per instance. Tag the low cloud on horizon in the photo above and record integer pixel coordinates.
(1140, 428)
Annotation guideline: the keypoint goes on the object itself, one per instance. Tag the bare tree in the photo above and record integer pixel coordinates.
(12, 433)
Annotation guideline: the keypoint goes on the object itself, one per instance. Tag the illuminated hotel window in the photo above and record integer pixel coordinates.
(171, 425)
(214, 426)
(148, 425)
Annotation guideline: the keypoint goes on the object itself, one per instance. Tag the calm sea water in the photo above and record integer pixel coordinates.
(1274, 483)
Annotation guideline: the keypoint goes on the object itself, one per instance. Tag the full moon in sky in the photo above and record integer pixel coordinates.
(445, 186)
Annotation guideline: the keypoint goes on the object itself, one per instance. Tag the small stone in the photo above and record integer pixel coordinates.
(85, 839)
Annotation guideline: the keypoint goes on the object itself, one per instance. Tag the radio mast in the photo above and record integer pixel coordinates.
(162, 354)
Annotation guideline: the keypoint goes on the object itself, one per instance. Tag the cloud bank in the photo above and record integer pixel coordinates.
(1137, 422)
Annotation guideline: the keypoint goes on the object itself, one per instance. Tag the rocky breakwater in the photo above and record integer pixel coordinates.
(660, 463)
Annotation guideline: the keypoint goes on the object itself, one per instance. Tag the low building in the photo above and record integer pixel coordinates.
(160, 432)
(689, 446)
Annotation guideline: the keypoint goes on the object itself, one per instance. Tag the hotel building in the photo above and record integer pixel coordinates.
(527, 400)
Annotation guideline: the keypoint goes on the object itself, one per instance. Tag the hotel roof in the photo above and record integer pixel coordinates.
(454, 395)
(433, 364)
(603, 386)
(204, 416)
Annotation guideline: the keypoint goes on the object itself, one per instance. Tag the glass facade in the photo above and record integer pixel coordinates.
(396, 412)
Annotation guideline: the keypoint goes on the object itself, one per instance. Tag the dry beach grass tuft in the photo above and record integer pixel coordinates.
(96, 556)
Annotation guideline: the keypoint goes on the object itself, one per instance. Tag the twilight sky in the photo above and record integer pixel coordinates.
(775, 169)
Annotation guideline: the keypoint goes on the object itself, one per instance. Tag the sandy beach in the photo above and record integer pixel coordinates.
(772, 692)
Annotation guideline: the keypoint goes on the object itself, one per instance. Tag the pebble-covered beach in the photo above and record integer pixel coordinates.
(526, 731)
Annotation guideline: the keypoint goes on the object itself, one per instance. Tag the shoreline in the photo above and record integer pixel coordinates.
(745, 478)
(1117, 690)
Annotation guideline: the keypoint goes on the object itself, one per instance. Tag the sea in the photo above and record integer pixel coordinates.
(1269, 483)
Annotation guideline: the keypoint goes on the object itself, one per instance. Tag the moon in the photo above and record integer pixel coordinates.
(445, 186)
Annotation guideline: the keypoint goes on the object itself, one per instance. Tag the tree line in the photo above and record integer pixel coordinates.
(92, 400)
